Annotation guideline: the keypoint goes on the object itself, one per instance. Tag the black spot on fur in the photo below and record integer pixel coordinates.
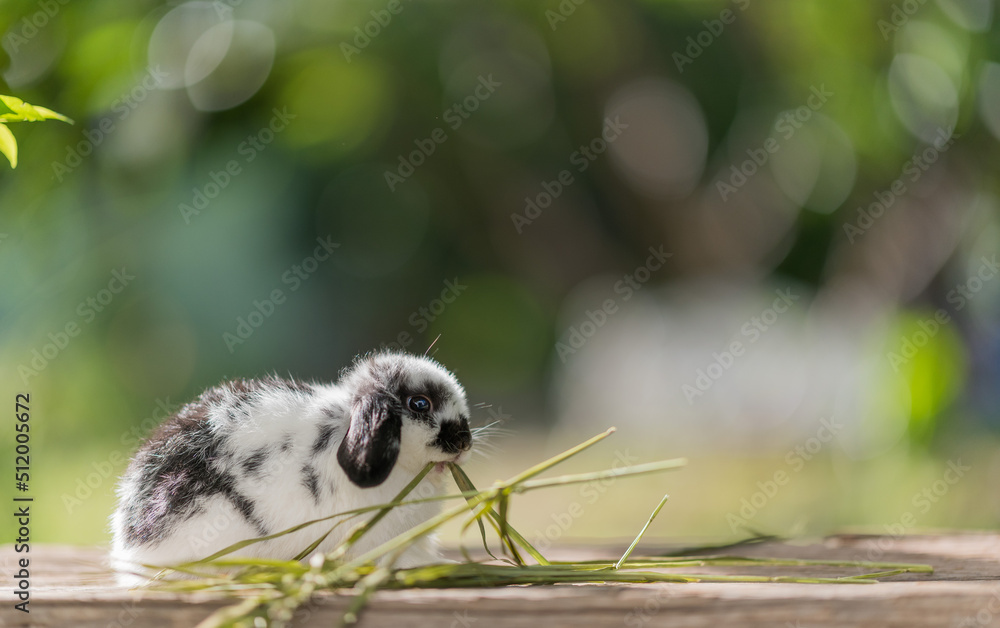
(246, 508)
(286, 443)
(437, 392)
(323, 439)
(183, 464)
(255, 461)
(385, 375)
(311, 481)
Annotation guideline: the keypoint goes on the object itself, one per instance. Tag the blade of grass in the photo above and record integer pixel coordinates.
(743, 561)
(362, 528)
(476, 518)
(312, 546)
(554, 460)
(518, 483)
(347, 513)
(366, 588)
(229, 616)
(581, 478)
(241, 544)
(638, 538)
(757, 538)
(287, 585)
(535, 470)
(503, 506)
(465, 484)
(877, 574)
(406, 538)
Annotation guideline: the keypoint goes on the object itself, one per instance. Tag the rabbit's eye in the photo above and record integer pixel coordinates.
(419, 403)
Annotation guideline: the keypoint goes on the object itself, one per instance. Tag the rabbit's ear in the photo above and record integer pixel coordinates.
(369, 450)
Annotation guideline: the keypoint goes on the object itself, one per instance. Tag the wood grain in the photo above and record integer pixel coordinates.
(71, 586)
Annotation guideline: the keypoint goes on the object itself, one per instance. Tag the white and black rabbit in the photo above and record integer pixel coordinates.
(250, 458)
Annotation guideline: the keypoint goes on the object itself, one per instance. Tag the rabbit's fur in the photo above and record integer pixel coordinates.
(250, 458)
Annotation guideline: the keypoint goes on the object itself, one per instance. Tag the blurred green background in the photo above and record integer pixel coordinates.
(497, 174)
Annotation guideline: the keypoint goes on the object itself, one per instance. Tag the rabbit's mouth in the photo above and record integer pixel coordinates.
(442, 465)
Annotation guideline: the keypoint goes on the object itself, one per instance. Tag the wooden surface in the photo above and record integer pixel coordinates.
(71, 587)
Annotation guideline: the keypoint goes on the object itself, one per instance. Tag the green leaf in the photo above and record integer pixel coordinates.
(649, 521)
(8, 145)
(21, 109)
(14, 104)
(48, 114)
(28, 112)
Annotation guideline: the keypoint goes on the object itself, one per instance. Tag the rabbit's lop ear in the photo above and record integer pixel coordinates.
(371, 446)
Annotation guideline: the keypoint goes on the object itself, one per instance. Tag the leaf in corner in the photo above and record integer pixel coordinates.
(13, 103)
(28, 112)
(48, 114)
(8, 145)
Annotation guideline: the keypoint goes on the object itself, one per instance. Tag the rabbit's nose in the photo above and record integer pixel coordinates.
(454, 436)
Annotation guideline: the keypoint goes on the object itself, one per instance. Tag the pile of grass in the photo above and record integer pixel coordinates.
(270, 591)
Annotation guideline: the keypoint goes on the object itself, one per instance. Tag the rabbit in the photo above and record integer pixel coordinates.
(254, 457)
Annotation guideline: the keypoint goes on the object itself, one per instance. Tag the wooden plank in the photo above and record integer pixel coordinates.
(72, 587)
